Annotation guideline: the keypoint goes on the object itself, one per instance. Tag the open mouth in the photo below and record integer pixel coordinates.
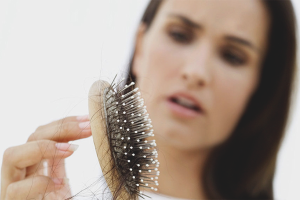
(186, 103)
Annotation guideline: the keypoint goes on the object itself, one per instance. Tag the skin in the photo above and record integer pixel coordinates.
(220, 73)
(163, 65)
(22, 172)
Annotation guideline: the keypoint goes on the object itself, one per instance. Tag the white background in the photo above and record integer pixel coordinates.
(50, 54)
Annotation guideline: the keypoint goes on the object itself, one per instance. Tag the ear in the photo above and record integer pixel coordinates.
(137, 59)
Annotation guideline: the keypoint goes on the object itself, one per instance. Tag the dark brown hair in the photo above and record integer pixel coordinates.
(243, 166)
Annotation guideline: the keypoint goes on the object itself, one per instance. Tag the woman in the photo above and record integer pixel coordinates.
(217, 79)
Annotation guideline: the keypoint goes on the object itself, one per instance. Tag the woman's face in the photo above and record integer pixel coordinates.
(198, 65)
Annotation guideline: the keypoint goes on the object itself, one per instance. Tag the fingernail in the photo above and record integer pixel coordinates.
(82, 117)
(85, 125)
(58, 181)
(66, 147)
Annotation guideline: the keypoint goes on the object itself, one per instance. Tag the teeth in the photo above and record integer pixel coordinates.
(185, 102)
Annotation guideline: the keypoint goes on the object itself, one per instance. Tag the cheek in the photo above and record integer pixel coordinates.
(160, 65)
(163, 58)
(231, 94)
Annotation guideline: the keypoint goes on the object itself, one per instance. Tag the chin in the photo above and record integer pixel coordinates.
(171, 131)
(178, 136)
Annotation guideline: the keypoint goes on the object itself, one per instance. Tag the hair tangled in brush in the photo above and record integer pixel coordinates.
(122, 133)
(128, 128)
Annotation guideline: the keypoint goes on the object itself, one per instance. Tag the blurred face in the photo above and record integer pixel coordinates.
(197, 66)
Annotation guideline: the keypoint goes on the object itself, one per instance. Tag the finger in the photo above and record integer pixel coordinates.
(40, 168)
(59, 122)
(16, 159)
(62, 132)
(55, 163)
(50, 167)
(56, 168)
(71, 119)
(83, 118)
(31, 153)
(33, 188)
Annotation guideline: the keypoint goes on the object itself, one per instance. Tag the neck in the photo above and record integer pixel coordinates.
(181, 172)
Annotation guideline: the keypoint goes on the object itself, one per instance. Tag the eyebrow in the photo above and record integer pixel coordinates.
(186, 20)
(235, 39)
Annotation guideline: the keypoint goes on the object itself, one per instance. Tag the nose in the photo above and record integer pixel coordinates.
(196, 71)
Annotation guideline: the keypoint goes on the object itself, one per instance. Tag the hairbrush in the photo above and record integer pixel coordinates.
(123, 138)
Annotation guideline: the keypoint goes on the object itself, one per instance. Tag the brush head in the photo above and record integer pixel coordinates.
(123, 138)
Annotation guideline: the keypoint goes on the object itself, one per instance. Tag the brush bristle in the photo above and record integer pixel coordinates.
(129, 128)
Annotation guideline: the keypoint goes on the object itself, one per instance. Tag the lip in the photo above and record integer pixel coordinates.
(182, 111)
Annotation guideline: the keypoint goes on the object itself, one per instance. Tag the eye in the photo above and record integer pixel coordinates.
(233, 58)
(179, 36)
